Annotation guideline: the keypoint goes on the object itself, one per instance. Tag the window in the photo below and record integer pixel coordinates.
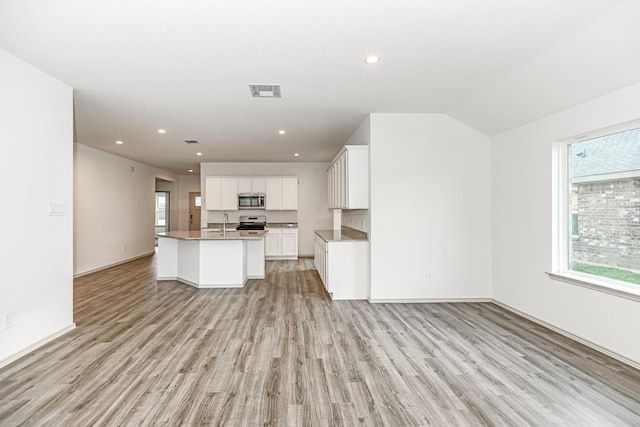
(161, 209)
(597, 209)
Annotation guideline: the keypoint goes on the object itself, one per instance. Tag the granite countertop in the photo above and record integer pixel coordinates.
(215, 235)
(282, 225)
(233, 225)
(344, 235)
(218, 226)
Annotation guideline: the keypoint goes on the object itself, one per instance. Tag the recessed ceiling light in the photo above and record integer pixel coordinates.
(198, 154)
(119, 142)
(281, 132)
(372, 59)
(162, 131)
(190, 170)
(296, 155)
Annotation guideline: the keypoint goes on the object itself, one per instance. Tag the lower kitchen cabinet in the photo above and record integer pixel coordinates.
(273, 243)
(343, 267)
(281, 243)
(290, 242)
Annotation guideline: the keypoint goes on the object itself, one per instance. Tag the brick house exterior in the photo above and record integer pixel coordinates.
(608, 223)
(605, 201)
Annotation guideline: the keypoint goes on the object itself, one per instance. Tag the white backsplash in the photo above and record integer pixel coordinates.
(272, 216)
(358, 219)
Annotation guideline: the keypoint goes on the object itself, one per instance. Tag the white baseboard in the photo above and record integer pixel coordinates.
(36, 345)
(195, 285)
(427, 300)
(569, 335)
(104, 267)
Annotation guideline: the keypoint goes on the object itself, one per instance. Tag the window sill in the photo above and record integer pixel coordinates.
(609, 286)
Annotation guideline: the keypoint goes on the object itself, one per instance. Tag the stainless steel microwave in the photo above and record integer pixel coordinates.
(251, 201)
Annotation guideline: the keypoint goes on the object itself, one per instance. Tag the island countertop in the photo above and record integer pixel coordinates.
(215, 235)
(344, 235)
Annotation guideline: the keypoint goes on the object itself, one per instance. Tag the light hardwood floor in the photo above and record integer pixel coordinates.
(279, 352)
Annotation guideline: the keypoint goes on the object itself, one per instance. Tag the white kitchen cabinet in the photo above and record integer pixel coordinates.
(244, 185)
(320, 258)
(343, 268)
(258, 185)
(221, 193)
(289, 194)
(247, 184)
(348, 178)
(281, 243)
(213, 193)
(273, 243)
(273, 194)
(281, 194)
(289, 242)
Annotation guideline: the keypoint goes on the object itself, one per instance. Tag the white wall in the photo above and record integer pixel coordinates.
(430, 208)
(172, 188)
(313, 212)
(36, 250)
(359, 219)
(521, 164)
(186, 184)
(114, 208)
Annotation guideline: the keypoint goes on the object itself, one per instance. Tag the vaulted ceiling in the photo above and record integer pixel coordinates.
(137, 66)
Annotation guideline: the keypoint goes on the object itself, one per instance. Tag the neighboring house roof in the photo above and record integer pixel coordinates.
(619, 152)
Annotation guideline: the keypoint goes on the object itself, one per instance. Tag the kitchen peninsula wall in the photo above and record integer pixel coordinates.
(313, 212)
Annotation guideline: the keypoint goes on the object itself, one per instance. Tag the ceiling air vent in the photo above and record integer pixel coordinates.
(191, 141)
(265, 91)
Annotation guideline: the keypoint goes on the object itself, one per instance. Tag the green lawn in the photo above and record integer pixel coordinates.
(610, 272)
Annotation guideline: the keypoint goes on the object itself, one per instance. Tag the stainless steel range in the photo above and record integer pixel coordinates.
(256, 222)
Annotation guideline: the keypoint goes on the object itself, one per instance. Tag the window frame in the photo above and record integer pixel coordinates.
(561, 220)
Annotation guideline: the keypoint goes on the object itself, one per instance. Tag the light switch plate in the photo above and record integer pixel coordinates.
(9, 320)
(55, 209)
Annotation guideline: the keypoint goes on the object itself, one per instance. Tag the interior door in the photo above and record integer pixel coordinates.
(195, 204)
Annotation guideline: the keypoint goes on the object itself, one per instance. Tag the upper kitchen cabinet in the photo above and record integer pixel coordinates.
(282, 194)
(221, 193)
(251, 185)
(348, 178)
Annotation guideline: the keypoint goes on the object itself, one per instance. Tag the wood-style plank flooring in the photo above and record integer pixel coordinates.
(279, 352)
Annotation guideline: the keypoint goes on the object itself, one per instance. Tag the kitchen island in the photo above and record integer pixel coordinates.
(211, 259)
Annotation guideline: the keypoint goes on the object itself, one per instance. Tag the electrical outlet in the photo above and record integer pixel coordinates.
(9, 320)
(429, 278)
(124, 248)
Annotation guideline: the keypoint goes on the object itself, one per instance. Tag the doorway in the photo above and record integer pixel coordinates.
(162, 212)
(195, 205)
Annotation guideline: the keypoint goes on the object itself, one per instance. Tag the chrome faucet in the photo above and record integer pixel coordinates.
(225, 218)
